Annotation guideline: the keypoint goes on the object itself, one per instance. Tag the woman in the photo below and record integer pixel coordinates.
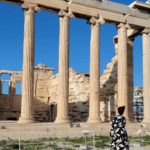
(118, 134)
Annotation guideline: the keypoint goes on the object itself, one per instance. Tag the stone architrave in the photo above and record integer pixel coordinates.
(146, 74)
(123, 89)
(28, 65)
(94, 102)
(63, 75)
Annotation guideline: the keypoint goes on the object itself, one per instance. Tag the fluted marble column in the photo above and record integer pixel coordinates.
(146, 74)
(28, 66)
(123, 93)
(130, 77)
(63, 75)
(94, 102)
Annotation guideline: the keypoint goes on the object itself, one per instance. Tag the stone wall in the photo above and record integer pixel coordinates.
(10, 104)
(79, 93)
(9, 107)
(46, 96)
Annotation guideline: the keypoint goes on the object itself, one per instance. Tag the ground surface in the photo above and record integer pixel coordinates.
(50, 136)
(40, 130)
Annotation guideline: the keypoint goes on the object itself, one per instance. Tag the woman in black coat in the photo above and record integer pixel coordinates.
(118, 134)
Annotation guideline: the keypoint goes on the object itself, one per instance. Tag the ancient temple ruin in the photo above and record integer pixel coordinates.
(46, 95)
(130, 21)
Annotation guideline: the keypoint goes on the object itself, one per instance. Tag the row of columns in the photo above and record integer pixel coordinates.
(63, 90)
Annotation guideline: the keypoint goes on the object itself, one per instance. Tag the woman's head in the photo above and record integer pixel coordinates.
(121, 110)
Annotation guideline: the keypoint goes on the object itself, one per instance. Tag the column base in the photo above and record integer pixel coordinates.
(93, 121)
(62, 121)
(146, 120)
(25, 120)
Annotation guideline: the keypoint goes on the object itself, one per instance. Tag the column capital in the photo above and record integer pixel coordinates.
(124, 25)
(146, 30)
(68, 14)
(96, 20)
(130, 39)
(30, 7)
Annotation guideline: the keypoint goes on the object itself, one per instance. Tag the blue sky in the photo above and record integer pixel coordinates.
(47, 37)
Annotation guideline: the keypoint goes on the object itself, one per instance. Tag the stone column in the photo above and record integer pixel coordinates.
(146, 74)
(12, 86)
(28, 66)
(130, 78)
(94, 102)
(1, 84)
(63, 75)
(123, 92)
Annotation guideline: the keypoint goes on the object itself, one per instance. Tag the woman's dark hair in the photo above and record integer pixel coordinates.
(121, 110)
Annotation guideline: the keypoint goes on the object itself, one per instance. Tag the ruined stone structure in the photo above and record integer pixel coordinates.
(79, 93)
(10, 104)
(130, 20)
(46, 95)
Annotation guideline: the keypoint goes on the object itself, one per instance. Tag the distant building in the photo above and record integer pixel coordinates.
(138, 103)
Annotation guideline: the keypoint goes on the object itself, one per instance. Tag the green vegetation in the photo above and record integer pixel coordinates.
(66, 143)
(143, 141)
